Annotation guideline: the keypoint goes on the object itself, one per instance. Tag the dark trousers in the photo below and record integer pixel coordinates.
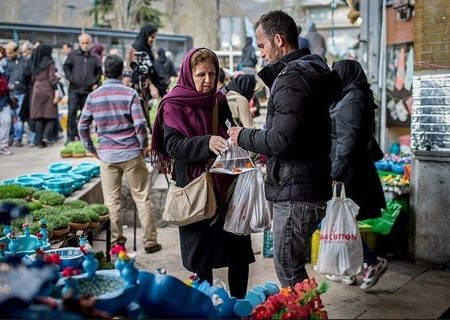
(237, 279)
(44, 129)
(76, 102)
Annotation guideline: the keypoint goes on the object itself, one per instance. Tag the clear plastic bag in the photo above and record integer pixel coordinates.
(340, 251)
(249, 211)
(235, 160)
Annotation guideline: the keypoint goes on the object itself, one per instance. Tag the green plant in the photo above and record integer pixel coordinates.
(103, 264)
(17, 202)
(58, 222)
(31, 191)
(78, 216)
(35, 228)
(101, 209)
(76, 204)
(16, 223)
(46, 212)
(49, 198)
(32, 206)
(13, 192)
(93, 216)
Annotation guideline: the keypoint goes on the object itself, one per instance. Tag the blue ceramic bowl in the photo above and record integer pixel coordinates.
(84, 171)
(43, 175)
(59, 183)
(27, 181)
(64, 191)
(27, 245)
(96, 167)
(59, 167)
(9, 181)
(78, 179)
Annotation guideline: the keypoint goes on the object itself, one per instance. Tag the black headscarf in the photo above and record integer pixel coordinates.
(353, 77)
(41, 58)
(140, 43)
(243, 84)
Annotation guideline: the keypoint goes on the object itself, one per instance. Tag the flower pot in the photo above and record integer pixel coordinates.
(60, 232)
(94, 225)
(78, 226)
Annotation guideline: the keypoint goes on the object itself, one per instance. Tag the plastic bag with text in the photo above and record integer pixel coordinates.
(340, 251)
(249, 211)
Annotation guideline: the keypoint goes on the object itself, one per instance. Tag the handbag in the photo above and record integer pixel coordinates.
(197, 200)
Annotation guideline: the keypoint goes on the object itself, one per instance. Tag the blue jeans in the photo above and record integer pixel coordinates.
(293, 225)
(17, 130)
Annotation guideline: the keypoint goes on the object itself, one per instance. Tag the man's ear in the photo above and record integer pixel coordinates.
(278, 40)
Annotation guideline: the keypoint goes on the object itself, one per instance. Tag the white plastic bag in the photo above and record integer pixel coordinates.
(340, 251)
(248, 211)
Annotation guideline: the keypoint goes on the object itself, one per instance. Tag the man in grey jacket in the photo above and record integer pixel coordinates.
(297, 140)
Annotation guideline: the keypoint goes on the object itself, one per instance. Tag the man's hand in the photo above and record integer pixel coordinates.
(217, 144)
(233, 132)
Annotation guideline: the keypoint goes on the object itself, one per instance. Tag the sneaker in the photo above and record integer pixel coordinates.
(17, 144)
(5, 151)
(153, 249)
(373, 273)
(347, 280)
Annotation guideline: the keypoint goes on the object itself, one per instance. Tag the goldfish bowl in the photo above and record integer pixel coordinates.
(107, 287)
(26, 245)
(70, 257)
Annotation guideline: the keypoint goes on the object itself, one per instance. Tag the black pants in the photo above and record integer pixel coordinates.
(44, 129)
(237, 279)
(76, 102)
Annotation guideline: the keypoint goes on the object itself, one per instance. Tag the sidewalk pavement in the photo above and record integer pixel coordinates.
(406, 291)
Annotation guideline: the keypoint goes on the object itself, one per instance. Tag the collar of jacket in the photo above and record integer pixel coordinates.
(269, 73)
(83, 53)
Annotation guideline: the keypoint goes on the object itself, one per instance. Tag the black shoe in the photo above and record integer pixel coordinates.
(43, 145)
(153, 249)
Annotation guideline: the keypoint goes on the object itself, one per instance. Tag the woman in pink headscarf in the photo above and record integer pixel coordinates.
(183, 133)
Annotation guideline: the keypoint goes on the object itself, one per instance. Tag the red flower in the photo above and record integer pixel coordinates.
(117, 248)
(68, 272)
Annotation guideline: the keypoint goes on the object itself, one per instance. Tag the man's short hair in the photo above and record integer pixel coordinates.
(279, 22)
(68, 45)
(113, 66)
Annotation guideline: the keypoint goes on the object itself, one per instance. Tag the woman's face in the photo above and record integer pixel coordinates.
(204, 76)
(151, 38)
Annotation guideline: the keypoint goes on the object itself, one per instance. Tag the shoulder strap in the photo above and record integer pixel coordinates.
(215, 119)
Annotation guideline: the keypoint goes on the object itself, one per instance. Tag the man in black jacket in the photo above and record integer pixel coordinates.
(82, 69)
(296, 140)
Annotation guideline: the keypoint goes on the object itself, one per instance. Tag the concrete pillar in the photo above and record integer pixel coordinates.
(430, 134)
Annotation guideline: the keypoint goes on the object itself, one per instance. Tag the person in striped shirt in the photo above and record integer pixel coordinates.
(121, 128)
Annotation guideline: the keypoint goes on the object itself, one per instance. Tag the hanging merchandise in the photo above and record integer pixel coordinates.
(400, 75)
(402, 113)
(409, 69)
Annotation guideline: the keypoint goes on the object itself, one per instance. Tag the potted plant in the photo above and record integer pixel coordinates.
(76, 204)
(94, 218)
(78, 150)
(59, 224)
(49, 198)
(66, 152)
(78, 220)
(13, 191)
(101, 209)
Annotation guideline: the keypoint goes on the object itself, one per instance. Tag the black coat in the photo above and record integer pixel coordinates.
(353, 162)
(297, 135)
(204, 246)
(83, 70)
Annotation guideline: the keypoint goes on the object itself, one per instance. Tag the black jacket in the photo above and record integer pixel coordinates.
(351, 153)
(297, 136)
(83, 70)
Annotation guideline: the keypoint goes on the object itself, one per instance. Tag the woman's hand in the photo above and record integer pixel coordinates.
(217, 144)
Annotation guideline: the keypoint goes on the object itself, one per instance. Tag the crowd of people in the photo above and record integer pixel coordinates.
(307, 99)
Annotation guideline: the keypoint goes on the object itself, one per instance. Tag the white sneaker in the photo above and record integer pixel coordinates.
(347, 280)
(5, 151)
(373, 273)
